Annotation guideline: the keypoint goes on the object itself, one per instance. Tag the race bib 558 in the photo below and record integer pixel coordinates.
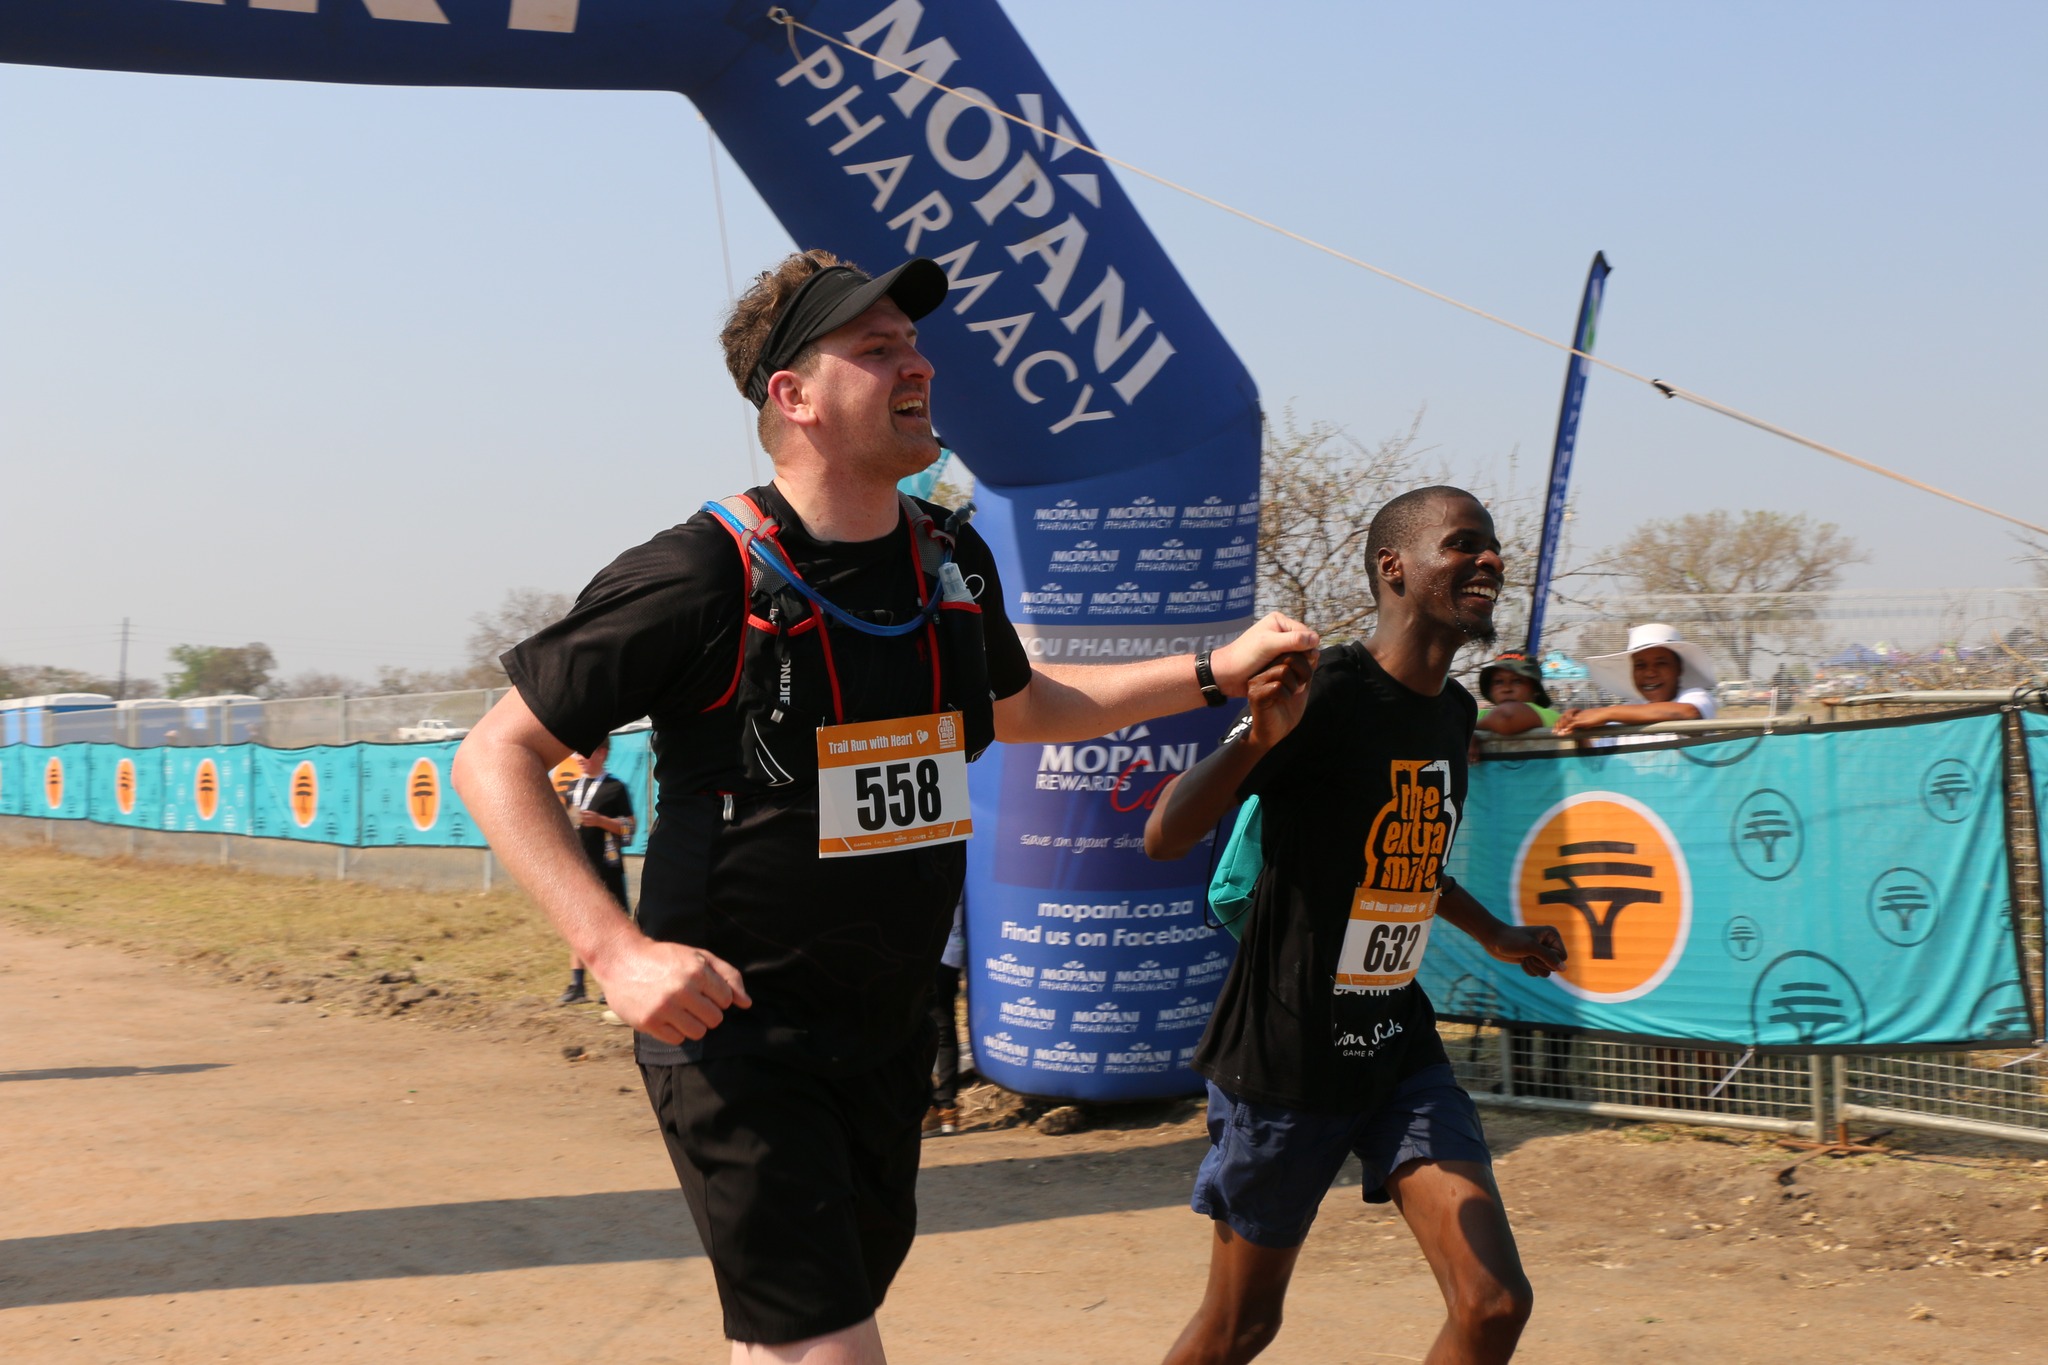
(890, 784)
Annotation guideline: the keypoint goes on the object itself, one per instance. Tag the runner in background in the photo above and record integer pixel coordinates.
(1322, 1044)
(601, 812)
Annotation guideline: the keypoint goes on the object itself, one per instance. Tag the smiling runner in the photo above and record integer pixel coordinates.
(1322, 1043)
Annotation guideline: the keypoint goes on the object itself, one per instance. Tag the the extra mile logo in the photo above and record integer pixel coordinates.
(1609, 876)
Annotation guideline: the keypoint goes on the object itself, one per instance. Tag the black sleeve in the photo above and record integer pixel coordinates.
(1468, 706)
(1009, 667)
(613, 800)
(1307, 754)
(655, 632)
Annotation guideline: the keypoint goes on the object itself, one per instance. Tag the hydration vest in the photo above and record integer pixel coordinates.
(786, 684)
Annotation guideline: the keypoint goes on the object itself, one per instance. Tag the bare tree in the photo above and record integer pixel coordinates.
(42, 680)
(523, 612)
(1750, 576)
(394, 681)
(1319, 488)
(313, 683)
(2034, 554)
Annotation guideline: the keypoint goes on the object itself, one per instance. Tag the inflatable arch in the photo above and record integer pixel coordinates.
(1114, 434)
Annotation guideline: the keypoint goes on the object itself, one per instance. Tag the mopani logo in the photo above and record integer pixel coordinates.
(206, 788)
(423, 794)
(305, 793)
(1609, 876)
(1113, 764)
(53, 782)
(124, 786)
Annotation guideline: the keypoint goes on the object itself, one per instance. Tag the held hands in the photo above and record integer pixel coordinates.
(1538, 947)
(1580, 718)
(672, 991)
(1251, 653)
(1279, 694)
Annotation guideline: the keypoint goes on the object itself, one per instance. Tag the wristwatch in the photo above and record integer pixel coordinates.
(1205, 677)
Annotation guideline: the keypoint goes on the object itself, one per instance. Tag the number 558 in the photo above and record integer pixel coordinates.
(897, 794)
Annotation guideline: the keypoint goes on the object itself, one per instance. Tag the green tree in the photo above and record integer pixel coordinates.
(220, 670)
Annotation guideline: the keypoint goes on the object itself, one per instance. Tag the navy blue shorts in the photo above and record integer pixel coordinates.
(1269, 1167)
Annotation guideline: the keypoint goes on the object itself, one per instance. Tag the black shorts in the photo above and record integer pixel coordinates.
(803, 1187)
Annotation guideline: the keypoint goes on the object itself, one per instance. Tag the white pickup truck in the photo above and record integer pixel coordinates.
(430, 729)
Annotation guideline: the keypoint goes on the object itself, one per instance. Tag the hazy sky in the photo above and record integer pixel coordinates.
(333, 367)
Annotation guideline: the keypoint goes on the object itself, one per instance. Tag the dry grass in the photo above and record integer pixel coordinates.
(484, 949)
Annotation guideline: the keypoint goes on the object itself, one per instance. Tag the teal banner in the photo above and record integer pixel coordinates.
(356, 795)
(127, 786)
(53, 783)
(1821, 891)
(13, 786)
(307, 794)
(206, 790)
(408, 801)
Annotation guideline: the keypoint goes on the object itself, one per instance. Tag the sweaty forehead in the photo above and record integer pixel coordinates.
(1453, 512)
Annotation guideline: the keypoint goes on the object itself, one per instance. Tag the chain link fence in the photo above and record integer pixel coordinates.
(1810, 646)
(290, 723)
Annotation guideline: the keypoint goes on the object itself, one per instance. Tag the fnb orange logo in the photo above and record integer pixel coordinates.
(423, 794)
(1607, 874)
(305, 793)
(564, 776)
(124, 786)
(206, 788)
(53, 782)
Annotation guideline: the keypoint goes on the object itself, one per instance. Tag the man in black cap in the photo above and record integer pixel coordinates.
(797, 895)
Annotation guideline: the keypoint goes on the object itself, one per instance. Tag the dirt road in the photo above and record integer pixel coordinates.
(194, 1172)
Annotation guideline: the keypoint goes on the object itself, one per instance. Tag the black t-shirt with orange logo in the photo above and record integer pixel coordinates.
(1321, 1010)
(837, 954)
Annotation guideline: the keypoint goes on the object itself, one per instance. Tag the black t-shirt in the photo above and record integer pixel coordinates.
(606, 796)
(837, 953)
(1361, 802)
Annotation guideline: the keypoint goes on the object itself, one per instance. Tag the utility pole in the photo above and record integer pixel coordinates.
(121, 688)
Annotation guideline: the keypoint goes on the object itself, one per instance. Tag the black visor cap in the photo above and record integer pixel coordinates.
(834, 297)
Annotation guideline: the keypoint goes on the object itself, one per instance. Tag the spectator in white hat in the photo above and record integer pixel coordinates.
(1670, 679)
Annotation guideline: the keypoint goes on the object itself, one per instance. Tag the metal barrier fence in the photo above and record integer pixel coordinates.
(286, 723)
(1520, 1068)
(2001, 1095)
(1834, 644)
